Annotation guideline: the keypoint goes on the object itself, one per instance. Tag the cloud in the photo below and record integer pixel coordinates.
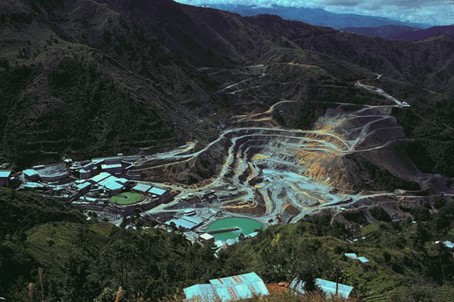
(422, 11)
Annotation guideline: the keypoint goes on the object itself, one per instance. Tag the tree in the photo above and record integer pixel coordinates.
(309, 282)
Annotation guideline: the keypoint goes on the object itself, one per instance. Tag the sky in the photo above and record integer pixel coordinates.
(435, 12)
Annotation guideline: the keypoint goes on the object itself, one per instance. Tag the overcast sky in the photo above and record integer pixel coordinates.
(437, 12)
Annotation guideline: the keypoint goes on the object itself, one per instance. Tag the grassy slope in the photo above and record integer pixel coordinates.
(83, 260)
(80, 259)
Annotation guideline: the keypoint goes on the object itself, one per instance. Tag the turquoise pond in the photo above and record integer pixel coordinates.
(244, 225)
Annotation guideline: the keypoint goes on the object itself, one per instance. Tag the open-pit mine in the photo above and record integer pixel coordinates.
(279, 175)
(258, 169)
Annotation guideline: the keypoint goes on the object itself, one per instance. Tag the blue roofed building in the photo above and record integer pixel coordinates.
(141, 188)
(83, 187)
(84, 174)
(327, 287)
(181, 223)
(113, 187)
(163, 195)
(100, 177)
(157, 191)
(186, 222)
(197, 221)
(112, 184)
(31, 174)
(5, 176)
(448, 244)
(200, 292)
(227, 289)
(351, 256)
(112, 168)
(363, 260)
(354, 256)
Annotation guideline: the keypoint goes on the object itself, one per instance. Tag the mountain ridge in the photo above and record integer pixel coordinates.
(101, 77)
(314, 16)
(402, 33)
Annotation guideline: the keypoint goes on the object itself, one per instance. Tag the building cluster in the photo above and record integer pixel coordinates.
(150, 190)
(104, 181)
(250, 285)
(186, 222)
(227, 289)
(88, 184)
(115, 165)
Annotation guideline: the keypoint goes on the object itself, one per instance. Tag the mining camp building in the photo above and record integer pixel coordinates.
(329, 288)
(5, 176)
(227, 289)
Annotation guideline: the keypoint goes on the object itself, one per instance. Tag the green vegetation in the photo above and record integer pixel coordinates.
(82, 260)
(126, 198)
(88, 261)
(402, 255)
(431, 126)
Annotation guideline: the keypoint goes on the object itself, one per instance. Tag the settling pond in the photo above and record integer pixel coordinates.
(229, 228)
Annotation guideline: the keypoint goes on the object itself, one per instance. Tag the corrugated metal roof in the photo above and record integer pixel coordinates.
(448, 244)
(101, 176)
(142, 187)
(33, 185)
(181, 223)
(253, 234)
(206, 236)
(111, 166)
(363, 260)
(5, 173)
(239, 287)
(157, 191)
(122, 181)
(83, 185)
(193, 219)
(356, 257)
(112, 185)
(200, 293)
(351, 255)
(228, 289)
(328, 287)
(30, 172)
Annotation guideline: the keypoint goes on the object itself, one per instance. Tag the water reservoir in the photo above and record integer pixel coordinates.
(230, 228)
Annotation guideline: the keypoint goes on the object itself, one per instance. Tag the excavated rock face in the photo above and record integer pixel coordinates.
(373, 157)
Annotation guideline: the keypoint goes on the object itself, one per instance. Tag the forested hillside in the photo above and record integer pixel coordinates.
(90, 78)
(88, 260)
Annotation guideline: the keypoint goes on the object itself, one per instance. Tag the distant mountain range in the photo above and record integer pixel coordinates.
(315, 16)
(403, 33)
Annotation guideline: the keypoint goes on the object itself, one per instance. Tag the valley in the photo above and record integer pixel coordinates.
(267, 171)
(147, 146)
(255, 117)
